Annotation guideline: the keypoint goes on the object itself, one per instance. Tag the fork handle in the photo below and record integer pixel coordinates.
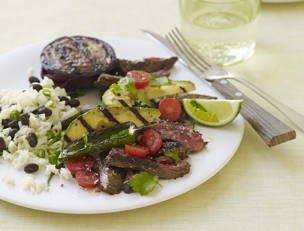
(272, 130)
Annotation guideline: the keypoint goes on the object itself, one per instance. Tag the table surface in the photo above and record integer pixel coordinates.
(260, 189)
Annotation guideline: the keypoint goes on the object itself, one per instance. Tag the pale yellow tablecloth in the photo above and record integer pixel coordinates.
(260, 188)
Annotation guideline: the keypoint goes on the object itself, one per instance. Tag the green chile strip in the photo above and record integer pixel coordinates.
(98, 136)
(101, 146)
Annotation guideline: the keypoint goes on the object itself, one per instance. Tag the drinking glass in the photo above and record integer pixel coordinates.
(223, 31)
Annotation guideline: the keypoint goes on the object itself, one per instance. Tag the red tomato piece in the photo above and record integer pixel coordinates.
(153, 59)
(141, 78)
(170, 109)
(152, 140)
(80, 163)
(87, 178)
(136, 150)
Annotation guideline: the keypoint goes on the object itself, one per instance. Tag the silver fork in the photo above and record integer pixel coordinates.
(212, 73)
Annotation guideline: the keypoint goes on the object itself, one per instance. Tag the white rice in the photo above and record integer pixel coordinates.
(18, 151)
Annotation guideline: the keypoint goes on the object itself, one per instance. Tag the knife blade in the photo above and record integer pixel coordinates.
(272, 130)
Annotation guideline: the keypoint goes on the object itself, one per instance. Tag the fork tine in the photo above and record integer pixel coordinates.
(188, 51)
(193, 52)
(185, 54)
(178, 49)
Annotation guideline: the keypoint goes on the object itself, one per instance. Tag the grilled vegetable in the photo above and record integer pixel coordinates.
(116, 92)
(101, 117)
(77, 61)
(100, 135)
(174, 87)
(99, 143)
(148, 64)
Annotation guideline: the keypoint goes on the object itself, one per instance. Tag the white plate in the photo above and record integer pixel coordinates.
(71, 198)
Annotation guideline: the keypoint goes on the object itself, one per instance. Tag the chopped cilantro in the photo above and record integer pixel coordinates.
(155, 82)
(121, 133)
(52, 137)
(192, 123)
(197, 105)
(115, 88)
(144, 183)
(15, 115)
(128, 84)
(50, 177)
(52, 158)
(141, 96)
(52, 106)
(46, 93)
(50, 134)
(40, 153)
(173, 153)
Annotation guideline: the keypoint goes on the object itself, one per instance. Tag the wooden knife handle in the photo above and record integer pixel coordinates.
(272, 130)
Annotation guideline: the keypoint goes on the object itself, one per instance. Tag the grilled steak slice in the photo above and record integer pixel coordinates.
(105, 80)
(190, 139)
(161, 73)
(173, 145)
(119, 159)
(148, 65)
(126, 184)
(111, 178)
(77, 61)
(182, 96)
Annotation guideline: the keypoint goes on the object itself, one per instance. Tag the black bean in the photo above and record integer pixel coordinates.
(30, 168)
(13, 132)
(43, 110)
(34, 79)
(13, 124)
(25, 119)
(5, 122)
(32, 139)
(64, 98)
(73, 103)
(2, 144)
(36, 86)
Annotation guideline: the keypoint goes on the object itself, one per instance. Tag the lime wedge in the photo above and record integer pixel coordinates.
(212, 112)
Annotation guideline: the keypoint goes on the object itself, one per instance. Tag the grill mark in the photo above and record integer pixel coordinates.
(84, 50)
(67, 139)
(85, 124)
(183, 89)
(134, 111)
(108, 114)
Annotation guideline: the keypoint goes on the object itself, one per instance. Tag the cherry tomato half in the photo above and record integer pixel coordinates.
(141, 78)
(152, 140)
(136, 150)
(80, 163)
(87, 178)
(170, 109)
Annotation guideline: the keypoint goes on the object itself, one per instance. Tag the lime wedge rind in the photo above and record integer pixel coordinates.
(217, 112)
